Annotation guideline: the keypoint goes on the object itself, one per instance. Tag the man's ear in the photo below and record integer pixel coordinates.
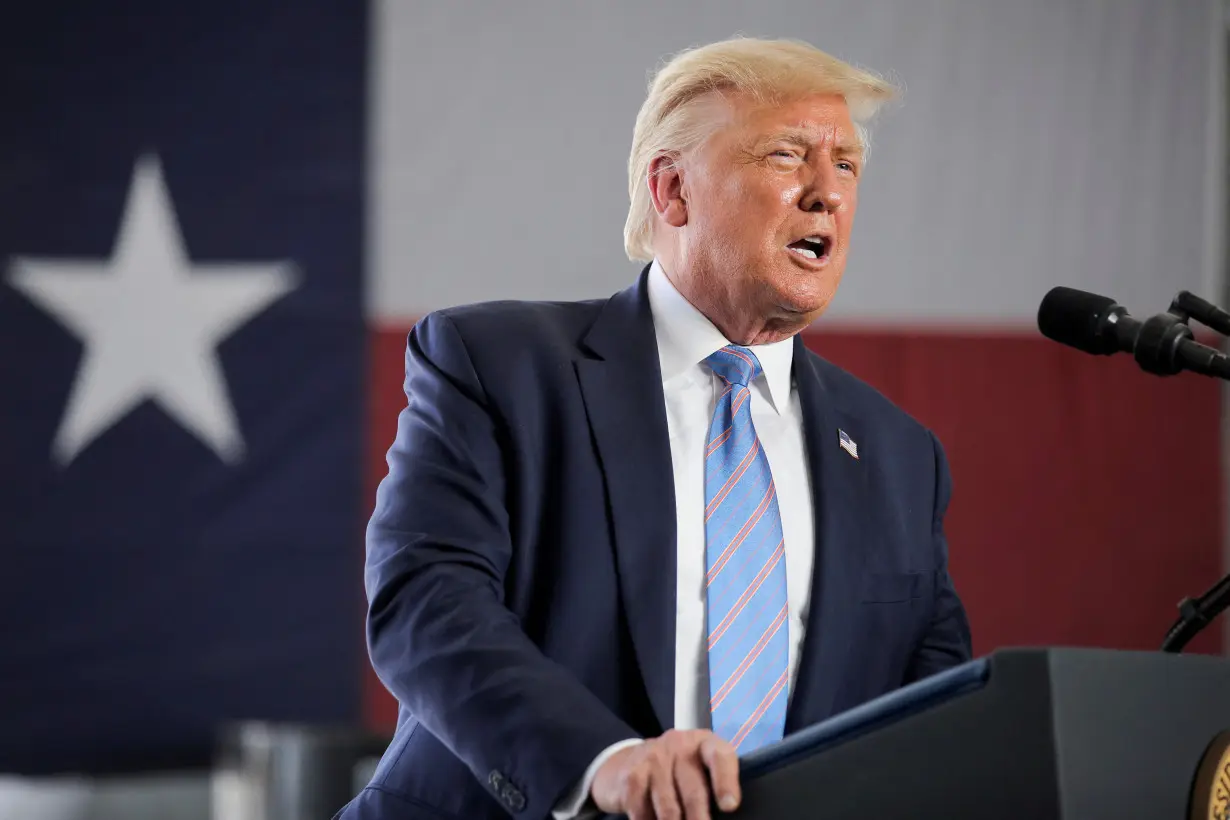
(666, 189)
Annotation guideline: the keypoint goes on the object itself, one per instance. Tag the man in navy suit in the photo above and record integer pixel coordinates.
(623, 542)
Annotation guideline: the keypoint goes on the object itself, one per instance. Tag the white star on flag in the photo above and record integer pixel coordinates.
(150, 321)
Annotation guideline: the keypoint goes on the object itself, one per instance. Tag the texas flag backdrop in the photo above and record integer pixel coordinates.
(219, 221)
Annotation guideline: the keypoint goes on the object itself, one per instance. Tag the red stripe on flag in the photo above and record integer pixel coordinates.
(387, 362)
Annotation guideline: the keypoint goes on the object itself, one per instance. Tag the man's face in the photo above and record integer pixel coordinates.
(769, 202)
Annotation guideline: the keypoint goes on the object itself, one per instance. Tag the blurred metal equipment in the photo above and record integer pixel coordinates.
(288, 772)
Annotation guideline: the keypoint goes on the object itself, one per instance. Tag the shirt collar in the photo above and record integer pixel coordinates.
(686, 338)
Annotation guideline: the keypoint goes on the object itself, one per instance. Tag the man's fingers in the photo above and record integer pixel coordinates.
(674, 777)
(723, 764)
(662, 788)
(692, 785)
(635, 797)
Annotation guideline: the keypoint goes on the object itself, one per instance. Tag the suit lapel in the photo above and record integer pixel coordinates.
(840, 499)
(622, 389)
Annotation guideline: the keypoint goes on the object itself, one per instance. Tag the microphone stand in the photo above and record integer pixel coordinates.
(1164, 345)
(1195, 614)
(1187, 305)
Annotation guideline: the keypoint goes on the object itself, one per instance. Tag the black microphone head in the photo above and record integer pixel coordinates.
(1080, 319)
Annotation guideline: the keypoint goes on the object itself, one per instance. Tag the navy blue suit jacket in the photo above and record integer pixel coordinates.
(521, 556)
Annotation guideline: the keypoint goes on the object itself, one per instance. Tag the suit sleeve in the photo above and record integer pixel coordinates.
(947, 641)
(439, 634)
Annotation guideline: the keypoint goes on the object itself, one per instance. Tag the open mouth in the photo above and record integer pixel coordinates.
(812, 247)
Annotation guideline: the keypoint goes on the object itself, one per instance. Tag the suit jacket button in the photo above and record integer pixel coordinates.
(514, 799)
(496, 780)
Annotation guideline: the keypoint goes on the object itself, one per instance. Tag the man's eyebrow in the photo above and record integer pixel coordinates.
(848, 149)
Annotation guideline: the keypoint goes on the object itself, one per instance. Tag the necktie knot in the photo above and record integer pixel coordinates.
(735, 364)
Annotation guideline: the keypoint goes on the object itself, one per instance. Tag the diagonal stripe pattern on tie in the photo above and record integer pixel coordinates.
(746, 567)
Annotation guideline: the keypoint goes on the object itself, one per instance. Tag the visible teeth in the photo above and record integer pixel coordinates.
(808, 252)
(816, 239)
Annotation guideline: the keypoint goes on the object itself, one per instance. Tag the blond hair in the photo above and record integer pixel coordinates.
(672, 120)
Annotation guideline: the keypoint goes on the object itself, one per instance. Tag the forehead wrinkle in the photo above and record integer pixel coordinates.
(807, 136)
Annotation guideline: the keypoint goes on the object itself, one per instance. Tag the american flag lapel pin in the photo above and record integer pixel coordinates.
(846, 443)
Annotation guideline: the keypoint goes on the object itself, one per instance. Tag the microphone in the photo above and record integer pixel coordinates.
(1162, 345)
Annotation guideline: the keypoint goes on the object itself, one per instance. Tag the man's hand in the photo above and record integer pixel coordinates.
(669, 778)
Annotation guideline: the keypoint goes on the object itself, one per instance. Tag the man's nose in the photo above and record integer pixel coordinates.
(823, 194)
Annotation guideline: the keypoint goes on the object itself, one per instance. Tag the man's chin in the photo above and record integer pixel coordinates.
(808, 302)
(804, 320)
(803, 309)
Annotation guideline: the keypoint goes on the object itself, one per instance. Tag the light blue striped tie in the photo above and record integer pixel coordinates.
(745, 557)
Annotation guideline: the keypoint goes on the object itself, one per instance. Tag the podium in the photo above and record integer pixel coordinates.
(1022, 734)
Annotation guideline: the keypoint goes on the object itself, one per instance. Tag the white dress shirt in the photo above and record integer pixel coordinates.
(685, 339)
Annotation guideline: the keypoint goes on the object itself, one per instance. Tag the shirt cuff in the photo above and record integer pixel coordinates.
(572, 804)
